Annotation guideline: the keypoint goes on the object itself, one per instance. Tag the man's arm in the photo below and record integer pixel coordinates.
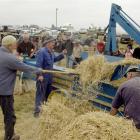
(39, 63)
(15, 64)
(33, 50)
(59, 57)
(117, 102)
(113, 111)
(39, 59)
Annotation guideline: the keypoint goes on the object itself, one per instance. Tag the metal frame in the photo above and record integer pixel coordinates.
(128, 24)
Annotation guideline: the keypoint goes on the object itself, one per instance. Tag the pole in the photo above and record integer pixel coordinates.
(56, 16)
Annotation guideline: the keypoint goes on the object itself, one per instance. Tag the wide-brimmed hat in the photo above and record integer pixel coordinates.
(48, 39)
(132, 69)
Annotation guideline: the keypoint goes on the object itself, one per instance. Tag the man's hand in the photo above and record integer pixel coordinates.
(40, 78)
(64, 51)
(32, 53)
(113, 111)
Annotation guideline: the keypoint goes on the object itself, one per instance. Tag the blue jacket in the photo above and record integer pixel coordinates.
(45, 60)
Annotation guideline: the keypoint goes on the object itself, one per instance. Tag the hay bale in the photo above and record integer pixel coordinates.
(58, 113)
(80, 106)
(92, 69)
(99, 126)
(96, 69)
(61, 119)
(54, 117)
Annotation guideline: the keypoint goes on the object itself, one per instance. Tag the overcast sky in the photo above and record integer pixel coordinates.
(80, 13)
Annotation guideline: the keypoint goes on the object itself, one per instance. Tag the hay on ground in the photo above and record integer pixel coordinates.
(61, 121)
(58, 113)
(99, 126)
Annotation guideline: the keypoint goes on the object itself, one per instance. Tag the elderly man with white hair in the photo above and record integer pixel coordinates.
(9, 65)
(26, 47)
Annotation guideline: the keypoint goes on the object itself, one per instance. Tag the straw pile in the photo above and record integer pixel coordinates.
(58, 113)
(117, 83)
(68, 119)
(99, 126)
(96, 69)
(60, 121)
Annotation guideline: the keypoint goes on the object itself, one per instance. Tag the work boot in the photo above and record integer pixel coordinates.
(15, 137)
(36, 115)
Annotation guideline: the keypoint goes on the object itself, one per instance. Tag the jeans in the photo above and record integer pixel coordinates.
(7, 105)
(44, 89)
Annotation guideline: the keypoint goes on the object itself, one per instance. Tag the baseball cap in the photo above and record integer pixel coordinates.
(132, 69)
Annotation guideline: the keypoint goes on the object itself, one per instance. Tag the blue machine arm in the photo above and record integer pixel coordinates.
(129, 25)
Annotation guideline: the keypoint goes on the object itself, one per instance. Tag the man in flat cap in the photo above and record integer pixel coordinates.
(128, 95)
(45, 59)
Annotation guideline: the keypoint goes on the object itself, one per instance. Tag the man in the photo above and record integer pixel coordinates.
(45, 59)
(69, 47)
(128, 95)
(129, 51)
(59, 47)
(36, 42)
(77, 51)
(9, 65)
(26, 47)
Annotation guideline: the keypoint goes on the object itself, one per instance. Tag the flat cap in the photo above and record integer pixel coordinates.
(132, 69)
(48, 39)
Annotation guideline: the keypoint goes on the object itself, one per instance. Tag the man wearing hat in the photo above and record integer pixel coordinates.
(45, 59)
(9, 65)
(128, 95)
